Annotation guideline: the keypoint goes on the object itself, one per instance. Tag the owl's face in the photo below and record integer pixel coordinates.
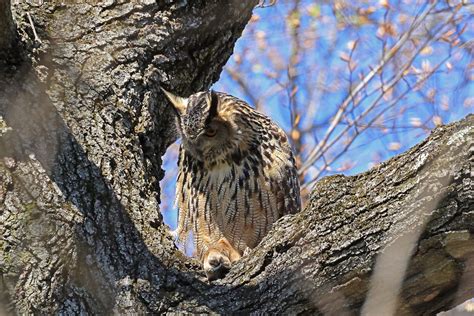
(206, 134)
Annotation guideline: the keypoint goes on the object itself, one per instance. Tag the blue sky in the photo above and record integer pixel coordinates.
(327, 45)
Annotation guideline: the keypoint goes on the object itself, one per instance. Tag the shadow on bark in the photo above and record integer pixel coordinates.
(83, 236)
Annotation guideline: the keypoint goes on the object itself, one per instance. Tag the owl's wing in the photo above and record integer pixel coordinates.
(288, 191)
(281, 173)
(183, 198)
(267, 188)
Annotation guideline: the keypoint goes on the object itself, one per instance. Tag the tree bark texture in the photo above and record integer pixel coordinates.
(83, 127)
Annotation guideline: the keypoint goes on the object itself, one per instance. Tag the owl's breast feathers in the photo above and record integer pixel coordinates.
(241, 195)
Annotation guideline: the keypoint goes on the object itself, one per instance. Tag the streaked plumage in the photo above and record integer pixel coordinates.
(237, 176)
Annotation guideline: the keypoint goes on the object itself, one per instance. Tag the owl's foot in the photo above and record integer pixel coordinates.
(216, 265)
(218, 259)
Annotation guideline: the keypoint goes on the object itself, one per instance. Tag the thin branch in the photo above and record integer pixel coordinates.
(339, 115)
(33, 27)
(243, 85)
(365, 127)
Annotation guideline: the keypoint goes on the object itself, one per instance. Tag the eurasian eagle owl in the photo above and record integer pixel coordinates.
(237, 176)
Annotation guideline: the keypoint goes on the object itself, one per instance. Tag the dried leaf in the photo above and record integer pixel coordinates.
(394, 146)
(295, 134)
(384, 3)
(344, 56)
(297, 119)
(415, 122)
(445, 103)
(469, 102)
(426, 66)
(427, 50)
(255, 17)
(437, 120)
(314, 10)
(449, 66)
(351, 45)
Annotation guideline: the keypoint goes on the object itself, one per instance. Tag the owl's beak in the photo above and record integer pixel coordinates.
(179, 103)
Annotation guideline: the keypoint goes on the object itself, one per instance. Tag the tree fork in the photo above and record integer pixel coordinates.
(83, 126)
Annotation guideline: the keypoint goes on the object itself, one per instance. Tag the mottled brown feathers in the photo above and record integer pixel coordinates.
(237, 174)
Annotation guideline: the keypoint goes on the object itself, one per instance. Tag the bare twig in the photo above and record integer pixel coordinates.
(33, 27)
(339, 115)
(370, 123)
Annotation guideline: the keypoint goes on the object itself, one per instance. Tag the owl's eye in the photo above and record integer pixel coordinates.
(210, 132)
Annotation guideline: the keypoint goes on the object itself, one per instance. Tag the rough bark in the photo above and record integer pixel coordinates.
(82, 131)
(86, 125)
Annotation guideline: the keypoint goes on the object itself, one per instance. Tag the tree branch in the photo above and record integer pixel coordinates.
(397, 239)
(85, 129)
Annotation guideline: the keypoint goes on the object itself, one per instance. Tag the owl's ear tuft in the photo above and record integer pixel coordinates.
(214, 104)
(179, 103)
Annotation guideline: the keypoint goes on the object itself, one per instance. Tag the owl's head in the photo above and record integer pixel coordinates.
(207, 129)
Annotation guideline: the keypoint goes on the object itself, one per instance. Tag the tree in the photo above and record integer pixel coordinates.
(82, 129)
(354, 83)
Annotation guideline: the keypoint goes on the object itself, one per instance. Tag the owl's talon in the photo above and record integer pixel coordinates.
(216, 266)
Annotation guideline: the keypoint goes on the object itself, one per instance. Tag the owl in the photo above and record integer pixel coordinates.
(236, 177)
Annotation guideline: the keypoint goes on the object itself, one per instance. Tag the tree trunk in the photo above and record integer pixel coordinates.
(83, 127)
